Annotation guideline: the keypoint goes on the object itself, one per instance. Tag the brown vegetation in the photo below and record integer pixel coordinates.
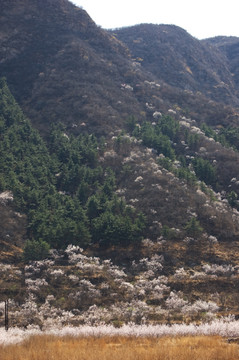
(118, 348)
(182, 61)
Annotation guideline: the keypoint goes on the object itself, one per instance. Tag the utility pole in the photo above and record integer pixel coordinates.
(6, 315)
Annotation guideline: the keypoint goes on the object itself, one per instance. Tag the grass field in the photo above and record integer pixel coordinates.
(121, 348)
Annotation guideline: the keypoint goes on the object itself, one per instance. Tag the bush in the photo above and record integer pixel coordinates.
(35, 250)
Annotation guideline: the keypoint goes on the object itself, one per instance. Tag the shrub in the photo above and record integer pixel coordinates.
(35, 250)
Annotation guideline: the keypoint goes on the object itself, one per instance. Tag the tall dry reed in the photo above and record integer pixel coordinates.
(121, 348)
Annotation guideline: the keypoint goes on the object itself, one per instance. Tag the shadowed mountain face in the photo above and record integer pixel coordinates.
(61, 67)
(229, 46)
(179, 59)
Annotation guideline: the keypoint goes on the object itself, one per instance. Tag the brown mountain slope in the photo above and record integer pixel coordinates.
(54, 52)
(61, 67)
(229, 46)
(173, 55)
(12, 230)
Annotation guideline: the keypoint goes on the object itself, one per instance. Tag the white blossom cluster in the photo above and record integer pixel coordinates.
(56, 273)
(175, 302)
(180, 274)
(45, 315)
(95, 291)
(225, 327)
(214, 271)
(86, 293)
(149, 266)
(200, 306)
(153, 289)
(5, 197)
(5, 267)
(35, 285)
(36, 267)
(134, 311)
(134, 155)
(219, 270)
(86, 263)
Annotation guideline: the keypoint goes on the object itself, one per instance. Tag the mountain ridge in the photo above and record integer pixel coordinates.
(62, 54)
(181, 60)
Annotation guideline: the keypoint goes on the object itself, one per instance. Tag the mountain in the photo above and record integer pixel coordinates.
(54, 52)
(119, 176)
(61, 67)
(229, 47)
(179, 59)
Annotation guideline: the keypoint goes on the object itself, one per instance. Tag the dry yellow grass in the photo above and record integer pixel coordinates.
(121, 348)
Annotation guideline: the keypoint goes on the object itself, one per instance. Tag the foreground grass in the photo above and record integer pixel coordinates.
(121, 348)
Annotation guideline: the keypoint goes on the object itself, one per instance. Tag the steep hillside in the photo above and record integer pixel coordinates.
(61, 67)
(174, 56)
(229, 46)
(12, 230)
(53, 52)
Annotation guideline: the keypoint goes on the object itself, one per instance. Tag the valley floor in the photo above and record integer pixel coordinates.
(121, 347)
